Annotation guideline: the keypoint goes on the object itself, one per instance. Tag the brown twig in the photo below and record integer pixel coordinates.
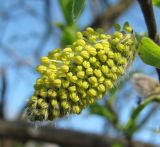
(48, 32)
(108, 18)
(25, 132)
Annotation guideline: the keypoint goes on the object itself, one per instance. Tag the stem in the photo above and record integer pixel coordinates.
(148, 13)
(131, 124)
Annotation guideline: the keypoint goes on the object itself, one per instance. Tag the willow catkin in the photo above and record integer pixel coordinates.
(75, 77)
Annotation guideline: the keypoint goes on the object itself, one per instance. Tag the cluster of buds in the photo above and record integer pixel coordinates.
(80, 74)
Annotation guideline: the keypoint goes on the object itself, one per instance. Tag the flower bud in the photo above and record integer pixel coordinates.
(104, 69)
(86, 64)
(90, 30)
(55, 113)
(108, 84)
(92, 51)
(72, 88)
(78, 48)
(76, 109)
(92, 60)
(57, 82)
(110, 63)
(120, 47)
(79, 35)
(92, 80)
(79, 68)
(115, 41)
(85, 85)
(54, 103)
(65, 84)
(65, 68)
(84, 54)
(110, 54)
(67, 50)
(51, 93)
(63, 95)
(78, 59)
(103, 58)
(74, 97)
(41, 69)
(92, 92)
(101, 79)
(65, 105)
(75, 77)
(98, 46)
(89, 71)
(118, 35)
(45, 60)
(97, 73)
(81, 74)
(101, 88)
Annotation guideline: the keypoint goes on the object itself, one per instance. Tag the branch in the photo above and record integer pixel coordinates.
(3, 92)
(48, 32)
(109, 17)
(147, 9)
(131, 126)
(148, 116)
(25, 132)
(114, 121)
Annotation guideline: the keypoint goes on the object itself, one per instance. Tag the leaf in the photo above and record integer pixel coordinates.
(66, 6)
(149, 52)
(156, 3)
(77, 8)
(117, 27)
(101, 111)
(60, 25)
(72, 9)
(68, 35)
(127, 27)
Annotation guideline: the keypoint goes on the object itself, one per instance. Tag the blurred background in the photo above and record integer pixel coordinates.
(30, 29)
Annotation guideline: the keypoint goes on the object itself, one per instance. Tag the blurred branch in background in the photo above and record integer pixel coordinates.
(148, 116)
(25, 132)
(3, 92)
(111, 14)
(49, 28)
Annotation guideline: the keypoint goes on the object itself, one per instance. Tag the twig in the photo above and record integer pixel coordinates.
(108, 18)
(147, 9)
(114, 121)
(131, 124)
(3, 92)
(47, 34)
(148, 116)
(25, 132)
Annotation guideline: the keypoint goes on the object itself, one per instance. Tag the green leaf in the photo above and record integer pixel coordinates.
(72, 9)
(127, 27)
(68, 35)
(66, 6)
(60, 25)
(156, 3)
(77, 9)
(149, 52)
(101, 111)
(117, 27)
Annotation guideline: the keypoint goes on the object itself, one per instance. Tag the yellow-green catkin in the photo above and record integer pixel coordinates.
(75, 77)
